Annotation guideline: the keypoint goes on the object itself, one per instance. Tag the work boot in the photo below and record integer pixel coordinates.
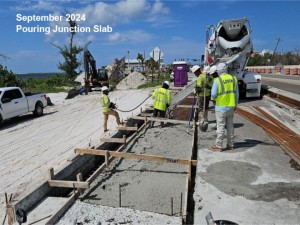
(152, 124)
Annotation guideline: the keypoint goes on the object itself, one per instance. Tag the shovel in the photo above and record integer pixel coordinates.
(191, 113)
(203, 125)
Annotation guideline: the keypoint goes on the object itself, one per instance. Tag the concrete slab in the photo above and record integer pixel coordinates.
(256, 183)
(143, 185)
(146, 185)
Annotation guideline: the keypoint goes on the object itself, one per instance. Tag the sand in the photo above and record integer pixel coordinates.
(30, 146)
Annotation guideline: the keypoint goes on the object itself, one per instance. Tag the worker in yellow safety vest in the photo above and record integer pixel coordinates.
(226, 94)
(161, 101)
(108, 108)
(204, 83)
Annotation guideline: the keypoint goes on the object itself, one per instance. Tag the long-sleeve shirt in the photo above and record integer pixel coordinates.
(214, 95)
(105, 102)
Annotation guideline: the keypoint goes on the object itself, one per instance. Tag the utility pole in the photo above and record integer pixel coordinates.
(128, 60)
(278, 40)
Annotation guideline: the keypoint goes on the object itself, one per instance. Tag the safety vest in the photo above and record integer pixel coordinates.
(161, 97)
(226, 90)
(104, 102)
(201, 80)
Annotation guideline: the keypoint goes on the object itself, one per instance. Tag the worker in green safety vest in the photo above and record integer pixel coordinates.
(108, 108)
(204, 83)
(226, 94)
(161, 101)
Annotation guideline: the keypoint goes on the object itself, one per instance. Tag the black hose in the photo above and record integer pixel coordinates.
(131, 109)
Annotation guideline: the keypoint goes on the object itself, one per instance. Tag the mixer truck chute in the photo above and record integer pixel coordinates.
(230, 42)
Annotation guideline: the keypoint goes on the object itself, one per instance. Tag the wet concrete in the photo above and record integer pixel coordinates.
(145, 185)
(229, 177)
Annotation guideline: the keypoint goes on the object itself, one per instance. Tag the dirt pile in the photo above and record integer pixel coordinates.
(132, 81)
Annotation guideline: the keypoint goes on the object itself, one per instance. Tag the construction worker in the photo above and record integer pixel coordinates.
(161, 101)
(108, 108)
(203, 86)
(226, 94)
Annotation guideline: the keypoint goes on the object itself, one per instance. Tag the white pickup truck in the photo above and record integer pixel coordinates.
(14, 102)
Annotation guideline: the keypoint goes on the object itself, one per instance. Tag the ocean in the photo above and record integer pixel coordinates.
(37, 75)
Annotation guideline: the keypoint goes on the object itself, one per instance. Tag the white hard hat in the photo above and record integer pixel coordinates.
(195, 68)
(206, 69)
(221, 68)
(213, 69)
(104, 88)
(167, 83)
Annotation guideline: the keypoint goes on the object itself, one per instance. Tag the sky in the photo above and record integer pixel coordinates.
(117, 28)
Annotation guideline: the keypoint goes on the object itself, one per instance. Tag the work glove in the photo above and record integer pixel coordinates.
(112, 105)
(207, 86)
(198, 90)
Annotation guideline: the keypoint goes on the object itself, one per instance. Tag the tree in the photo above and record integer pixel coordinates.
(70, 53)
(152, 65)
(141, 59)
(7, 78)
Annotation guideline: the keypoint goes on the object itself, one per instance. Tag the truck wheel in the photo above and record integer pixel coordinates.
(38, 110)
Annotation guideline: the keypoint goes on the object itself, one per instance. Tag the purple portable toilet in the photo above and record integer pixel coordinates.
(180, 73)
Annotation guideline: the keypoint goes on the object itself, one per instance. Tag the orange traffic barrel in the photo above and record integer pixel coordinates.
(295, 71)
(269, 70)
(263, 70)
(287, 71)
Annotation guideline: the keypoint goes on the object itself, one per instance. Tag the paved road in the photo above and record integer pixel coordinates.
(286, 83)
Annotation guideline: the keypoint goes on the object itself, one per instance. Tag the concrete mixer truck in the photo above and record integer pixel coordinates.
(230, 42)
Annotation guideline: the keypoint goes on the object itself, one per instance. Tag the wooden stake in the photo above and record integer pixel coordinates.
(190, 173)
(10, 214)
(107, 158)
(79, 179)
(51, 173)
(124, 138)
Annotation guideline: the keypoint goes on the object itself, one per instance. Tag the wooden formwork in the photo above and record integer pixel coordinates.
(71, 177)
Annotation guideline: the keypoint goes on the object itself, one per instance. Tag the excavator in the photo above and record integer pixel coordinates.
(96, 77)
(230, 42)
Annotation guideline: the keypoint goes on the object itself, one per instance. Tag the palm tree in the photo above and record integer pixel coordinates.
(140, 58)
(152, 65)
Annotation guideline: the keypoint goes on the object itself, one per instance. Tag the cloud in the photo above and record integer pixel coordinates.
(37, 6)
(159, 8)
(135, 36)
(117, 37)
